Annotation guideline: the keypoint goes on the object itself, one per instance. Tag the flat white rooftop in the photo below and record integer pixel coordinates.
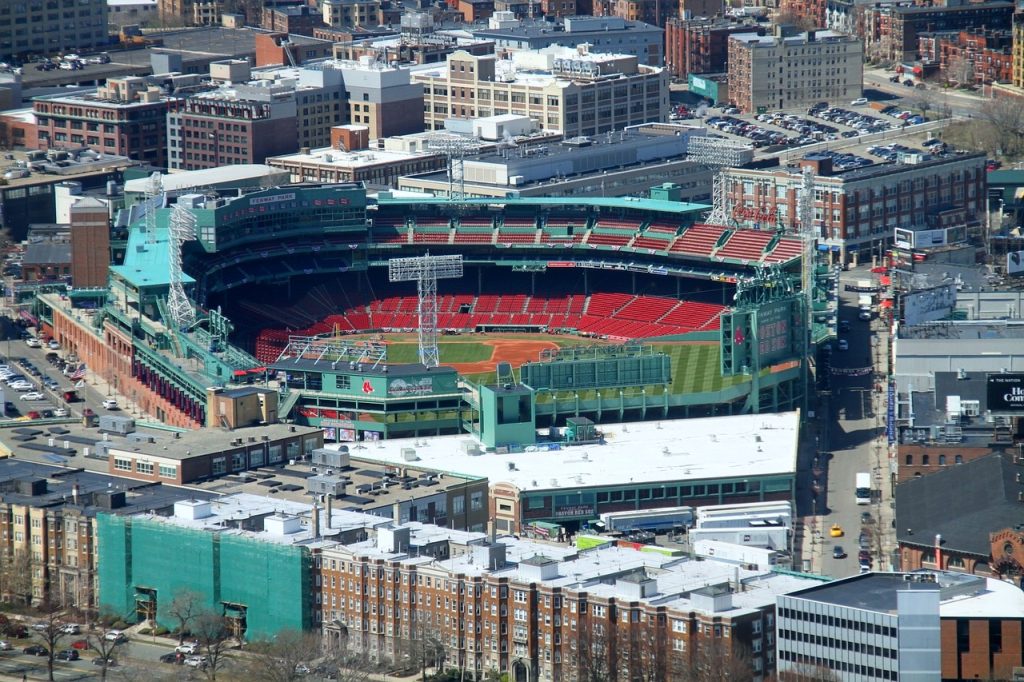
(206, 177)
(999, 600)
(328, 156)
(638, 452)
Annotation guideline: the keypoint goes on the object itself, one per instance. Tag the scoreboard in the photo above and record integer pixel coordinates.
(761, 335)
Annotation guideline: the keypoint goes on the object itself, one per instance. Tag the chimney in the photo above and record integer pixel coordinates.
(316, 521)
(328, 511)
(938, 551)
(74, 493)
(491, 531)
(396, 512)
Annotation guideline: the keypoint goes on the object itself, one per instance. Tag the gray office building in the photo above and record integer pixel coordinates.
(870, 627)
(36, 27)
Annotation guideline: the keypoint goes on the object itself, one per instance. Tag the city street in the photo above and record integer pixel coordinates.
(853, 442)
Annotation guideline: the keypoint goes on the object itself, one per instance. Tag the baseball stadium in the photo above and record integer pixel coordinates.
(379, 316)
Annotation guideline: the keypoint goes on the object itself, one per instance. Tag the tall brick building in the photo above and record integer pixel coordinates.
(856, 210)
(124, 117)
(90, 243)
(547, 611)
(975, 56)
(701, 45)
(892, 31)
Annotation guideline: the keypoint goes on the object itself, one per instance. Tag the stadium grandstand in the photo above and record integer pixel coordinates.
(306, 267)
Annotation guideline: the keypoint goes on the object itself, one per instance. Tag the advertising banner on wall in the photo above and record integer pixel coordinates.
(1005, 393)
(929, 305)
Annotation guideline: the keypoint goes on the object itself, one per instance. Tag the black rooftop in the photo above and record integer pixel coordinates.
(869, 591)
(963, 503)
(141, 496)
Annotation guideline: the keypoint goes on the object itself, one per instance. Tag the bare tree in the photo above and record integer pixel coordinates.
(807, 672)
(711, 660)
(105, 644)
(593, 654)
(50, 630)
(16, 576)
(960, 70)
(344, 664)
(284, 658)
(423, 648)
(212, 631)
(1005, 122)
(183, 609)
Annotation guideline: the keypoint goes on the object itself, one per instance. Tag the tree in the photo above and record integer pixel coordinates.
(807, 672)
(1004, 119)
(345, 664)
(593, 653)
(50, 630)
(960, 70)
(105, 647)
(212, 631)
(282, 658)
(16, 576)
(711, 660)
(183, 609)
(423, 648)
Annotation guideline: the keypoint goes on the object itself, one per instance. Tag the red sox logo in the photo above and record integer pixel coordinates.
(367, 387)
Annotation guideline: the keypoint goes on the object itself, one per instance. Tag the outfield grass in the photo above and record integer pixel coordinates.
(697, 368)
(449, 352)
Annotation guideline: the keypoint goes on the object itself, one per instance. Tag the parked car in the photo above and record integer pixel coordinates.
(36, 650)
(109, 662)
(33, 342)
(171, 658)
(34, 415)
(110, 404)
(67, 655)
(859, 102)
(5, 645)
(115, 636)
(188, 648)
(838, 552)
(71, 628)
(196, 661)
(60, 412)
(32, 395)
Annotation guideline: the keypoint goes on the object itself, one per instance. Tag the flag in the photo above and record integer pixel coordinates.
(78, 374)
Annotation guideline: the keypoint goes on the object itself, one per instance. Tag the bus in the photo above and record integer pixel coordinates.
(863, 490)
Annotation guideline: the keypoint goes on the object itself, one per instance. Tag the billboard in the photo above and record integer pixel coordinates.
(1005, 393)
(1015, 262)
(928, 305)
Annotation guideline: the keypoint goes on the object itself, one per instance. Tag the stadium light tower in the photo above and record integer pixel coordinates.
(183, 229)
(455, 150)
(718, 153)
(425, 271)
(154, 200)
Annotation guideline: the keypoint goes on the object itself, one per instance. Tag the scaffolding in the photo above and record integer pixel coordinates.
(718, 153)
(425, 271)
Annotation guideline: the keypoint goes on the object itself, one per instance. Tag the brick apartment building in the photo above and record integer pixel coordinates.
(127, 117)
(292, 19)
(547, 611)
(701, 46)
(892, 31)
(856, 210)
(794, 71)
(976, 56)
(350, 13)
(190, 12)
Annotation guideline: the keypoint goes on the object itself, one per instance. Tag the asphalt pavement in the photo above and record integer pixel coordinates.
(850, 440)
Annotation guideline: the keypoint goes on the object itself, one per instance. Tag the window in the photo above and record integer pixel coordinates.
(144, 467)
(220, 464)
(168, 471)
(122, 464)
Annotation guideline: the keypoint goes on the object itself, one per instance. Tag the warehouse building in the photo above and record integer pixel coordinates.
(641, 465)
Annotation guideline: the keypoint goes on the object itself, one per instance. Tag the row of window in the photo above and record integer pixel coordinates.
(841, 666)
(837, 644)
(830, 621)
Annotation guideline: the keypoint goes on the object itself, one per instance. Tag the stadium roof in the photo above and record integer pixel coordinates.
(639, 452)
(596, 202)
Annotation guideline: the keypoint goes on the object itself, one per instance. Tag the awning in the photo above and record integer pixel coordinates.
(885, 280)
(887, 303)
